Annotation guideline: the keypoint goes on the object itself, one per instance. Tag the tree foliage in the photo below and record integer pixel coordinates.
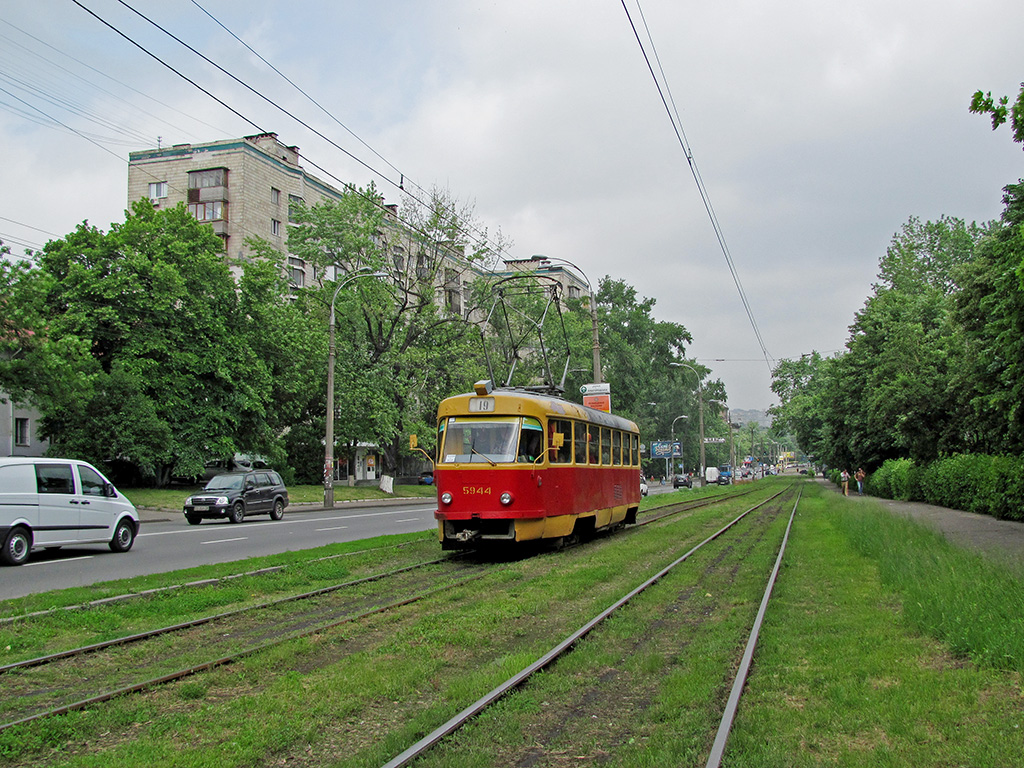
(984, 104)
(932, 363)
(142, 348)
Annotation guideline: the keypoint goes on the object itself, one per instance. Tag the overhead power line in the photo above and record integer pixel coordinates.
(677, 127)
(347, 185)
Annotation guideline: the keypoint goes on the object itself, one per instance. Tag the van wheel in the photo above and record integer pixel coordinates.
(16, 546)
(278, 511)
(193, 519)
(237, 513)
(124, 536)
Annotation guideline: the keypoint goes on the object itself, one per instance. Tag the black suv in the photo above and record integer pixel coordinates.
(237, 494)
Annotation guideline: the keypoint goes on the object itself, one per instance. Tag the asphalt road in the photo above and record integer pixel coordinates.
(166, 543)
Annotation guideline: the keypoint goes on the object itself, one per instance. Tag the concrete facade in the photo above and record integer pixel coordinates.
(19, 428)
(259, 178)
(243, 187)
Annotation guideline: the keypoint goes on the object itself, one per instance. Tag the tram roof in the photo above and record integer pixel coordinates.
(551, 405)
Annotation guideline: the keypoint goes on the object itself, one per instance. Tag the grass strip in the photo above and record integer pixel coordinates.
(844, 677)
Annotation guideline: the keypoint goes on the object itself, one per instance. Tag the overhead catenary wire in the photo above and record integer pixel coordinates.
(404, 179)
(345, 184)
(705, 197)
(121, 83)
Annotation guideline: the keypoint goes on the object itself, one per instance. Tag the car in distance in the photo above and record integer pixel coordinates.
(724, 474)
(236, 494)
(427, 477)
(682, 481)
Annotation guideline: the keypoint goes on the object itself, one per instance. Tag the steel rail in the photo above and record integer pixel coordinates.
(181, 673)
(198, 583)
(127, 639)
(725, 727)
(460, 719)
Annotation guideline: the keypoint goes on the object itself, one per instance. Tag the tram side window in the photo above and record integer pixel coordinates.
(634, 442)
(580, 443)
(617, 448)
(593, 444)
(561, 455)
(531, 440)
(606, 446)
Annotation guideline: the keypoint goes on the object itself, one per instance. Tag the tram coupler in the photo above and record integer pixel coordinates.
(467, 536)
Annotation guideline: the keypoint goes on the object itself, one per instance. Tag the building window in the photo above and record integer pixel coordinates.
(21, 434)
(296, 272)
(157, 190)
(215, 177)
(293, 201)
(275, 196)
(275, 227)
(453, 298)
(212, 211)
(574, 291)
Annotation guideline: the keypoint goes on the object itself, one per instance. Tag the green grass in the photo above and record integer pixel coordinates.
(883, 646)
(857, 664)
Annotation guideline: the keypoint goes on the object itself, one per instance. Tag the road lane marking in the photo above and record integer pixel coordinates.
(292, 521)
(335, 528)
(56, 562)
(224, 541)
(410, 520)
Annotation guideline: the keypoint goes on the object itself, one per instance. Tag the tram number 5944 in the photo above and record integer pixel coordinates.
(476, 490)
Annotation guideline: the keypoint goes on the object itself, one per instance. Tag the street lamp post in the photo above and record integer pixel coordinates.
(700, 418)
(329, 436)
(682, 454)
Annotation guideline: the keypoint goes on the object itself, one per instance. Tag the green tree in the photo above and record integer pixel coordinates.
(984, 104)
(895, 392)
(403, 343)
(140, 351)
(990, 310)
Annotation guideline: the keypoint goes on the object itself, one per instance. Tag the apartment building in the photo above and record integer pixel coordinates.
(243, 187)
(19, 429)
(247, 187)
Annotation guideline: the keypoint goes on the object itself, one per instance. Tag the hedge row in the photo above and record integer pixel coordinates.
(990, 485)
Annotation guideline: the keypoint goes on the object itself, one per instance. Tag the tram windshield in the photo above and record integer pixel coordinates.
(494, 440)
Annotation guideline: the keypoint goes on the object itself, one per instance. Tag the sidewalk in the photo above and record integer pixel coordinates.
(1000, 539)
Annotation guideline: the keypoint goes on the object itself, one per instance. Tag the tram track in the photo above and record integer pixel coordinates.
(332, 655)
(33, 686)
(584, 695)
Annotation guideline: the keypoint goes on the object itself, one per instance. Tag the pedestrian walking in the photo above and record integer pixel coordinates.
(859, 476)
(845, 477)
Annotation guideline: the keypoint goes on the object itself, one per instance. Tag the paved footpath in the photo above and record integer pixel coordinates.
(1000, 539)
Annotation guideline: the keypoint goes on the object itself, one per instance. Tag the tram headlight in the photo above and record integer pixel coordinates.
(506, 498)
(446, 498)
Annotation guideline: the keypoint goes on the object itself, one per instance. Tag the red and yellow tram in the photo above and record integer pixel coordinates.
(515, 466)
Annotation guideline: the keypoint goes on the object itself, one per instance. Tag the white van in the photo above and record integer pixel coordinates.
(51, 503)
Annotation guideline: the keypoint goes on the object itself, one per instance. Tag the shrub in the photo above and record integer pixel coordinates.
(991, 485)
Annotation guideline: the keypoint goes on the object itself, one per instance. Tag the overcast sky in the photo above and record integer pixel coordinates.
(818, 128)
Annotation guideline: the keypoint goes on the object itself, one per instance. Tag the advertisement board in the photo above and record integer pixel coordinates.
(597, 396)
(661, 449)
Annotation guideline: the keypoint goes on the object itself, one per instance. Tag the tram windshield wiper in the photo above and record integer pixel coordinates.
(492, 462)
(473, 450)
